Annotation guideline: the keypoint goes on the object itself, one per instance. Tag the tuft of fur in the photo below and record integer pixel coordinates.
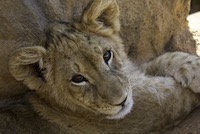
(102, 17)
(26, 65)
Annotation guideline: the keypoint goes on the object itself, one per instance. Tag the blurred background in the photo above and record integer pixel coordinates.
(195, 6)
(194, 22)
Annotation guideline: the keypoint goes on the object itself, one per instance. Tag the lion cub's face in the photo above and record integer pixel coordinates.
(82, 66)
(86, 70)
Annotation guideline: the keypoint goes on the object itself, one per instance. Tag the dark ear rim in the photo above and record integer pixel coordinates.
(22, 62)
(101, 17)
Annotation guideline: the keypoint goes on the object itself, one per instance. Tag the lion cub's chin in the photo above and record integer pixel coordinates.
(124, 110)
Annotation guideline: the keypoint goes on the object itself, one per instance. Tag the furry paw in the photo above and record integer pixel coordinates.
(188, 75)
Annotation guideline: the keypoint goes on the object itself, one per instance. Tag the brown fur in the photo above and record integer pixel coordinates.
(147, 29)
(109, 89)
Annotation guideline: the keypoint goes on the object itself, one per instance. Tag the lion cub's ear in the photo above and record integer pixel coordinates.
(102, 17)
(26, 64)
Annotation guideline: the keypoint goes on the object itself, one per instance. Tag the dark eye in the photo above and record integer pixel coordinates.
(78, 79)
(107, 56)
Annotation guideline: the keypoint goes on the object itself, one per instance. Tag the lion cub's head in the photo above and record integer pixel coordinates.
(82, 65)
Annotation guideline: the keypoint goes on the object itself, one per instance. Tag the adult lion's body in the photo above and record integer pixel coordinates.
(148, 29)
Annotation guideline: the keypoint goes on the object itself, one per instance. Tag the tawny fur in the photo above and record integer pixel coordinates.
(146, 99)
(148, 29)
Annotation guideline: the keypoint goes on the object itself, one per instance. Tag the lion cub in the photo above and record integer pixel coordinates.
(82, 77)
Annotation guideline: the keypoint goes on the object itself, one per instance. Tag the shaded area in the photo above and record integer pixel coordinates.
(191, 125)
(195, 6)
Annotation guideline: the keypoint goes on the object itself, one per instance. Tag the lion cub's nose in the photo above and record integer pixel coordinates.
(122, 103)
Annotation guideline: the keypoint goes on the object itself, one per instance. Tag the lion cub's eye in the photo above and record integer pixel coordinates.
(78, 79)
(107, 56)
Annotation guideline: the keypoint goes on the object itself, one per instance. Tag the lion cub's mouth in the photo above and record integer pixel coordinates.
(125, 109)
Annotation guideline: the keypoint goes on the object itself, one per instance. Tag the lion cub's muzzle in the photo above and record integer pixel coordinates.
(122, 103)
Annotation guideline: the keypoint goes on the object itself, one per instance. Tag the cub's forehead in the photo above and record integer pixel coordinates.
(66, 36)
(81, 49)
(83, 44)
